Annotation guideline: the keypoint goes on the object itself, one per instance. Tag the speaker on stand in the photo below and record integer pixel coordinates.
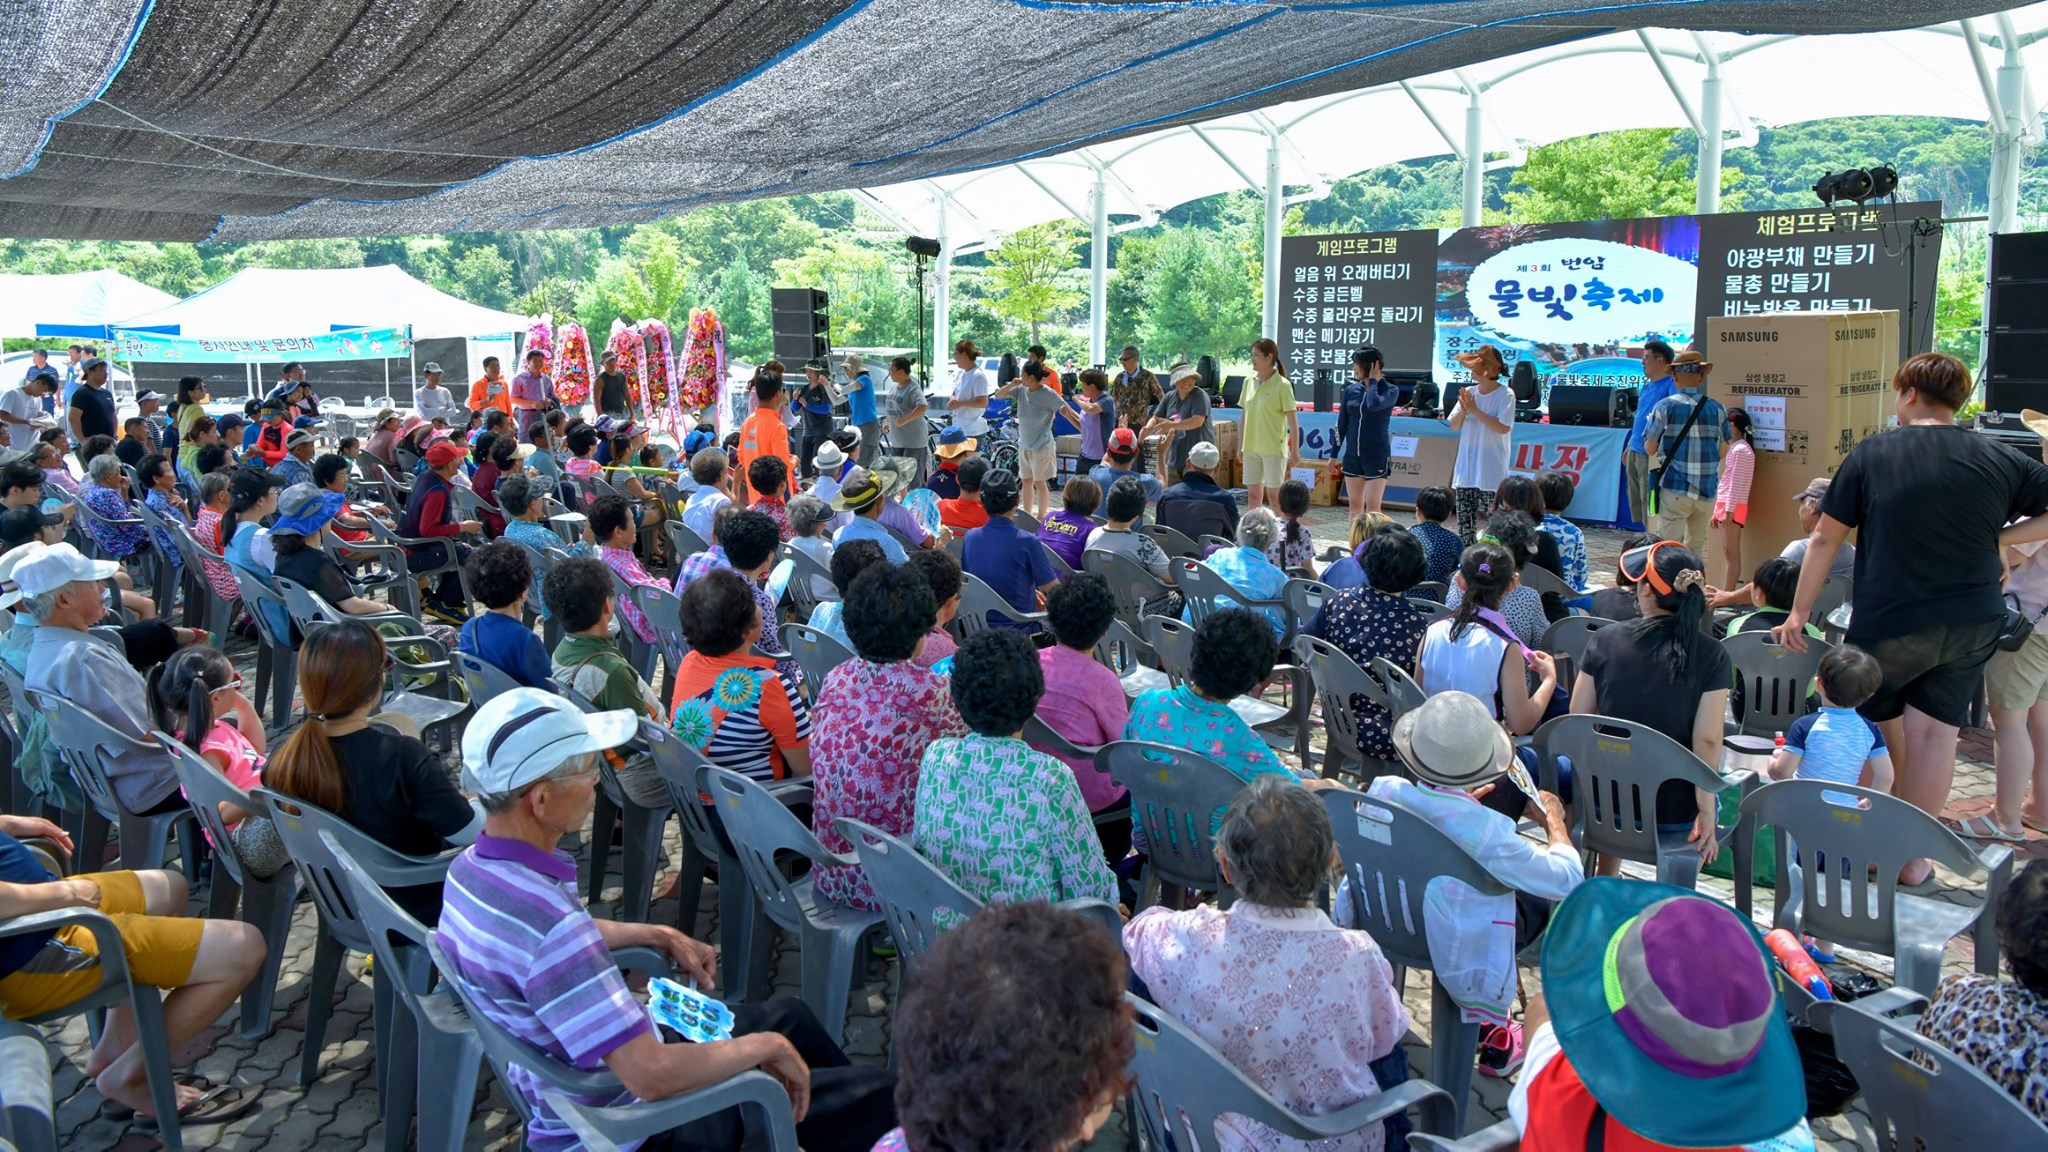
(801, 324)
(2015, 373)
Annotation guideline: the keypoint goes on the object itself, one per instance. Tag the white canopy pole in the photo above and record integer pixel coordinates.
(1475, 158)
(1098, 271)
(1708, 198)
(942, 301)
(1276, 209)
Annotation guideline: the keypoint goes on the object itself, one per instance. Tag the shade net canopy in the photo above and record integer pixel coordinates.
(237, 120)
(82, 305)
(276, 302)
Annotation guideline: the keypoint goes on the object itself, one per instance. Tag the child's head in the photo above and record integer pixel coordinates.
(350, 447)
(582, 441)
(1434, 504)
(183, 689)
(767, 475)
(1739, 423)
(1639, 540)
(1558, 491)
(1368, 523)
(1485, 572)
(1093, 382)
(1775, 584)
(1849, 676)
(971, 470)
(1520, 494)
(1293, 499)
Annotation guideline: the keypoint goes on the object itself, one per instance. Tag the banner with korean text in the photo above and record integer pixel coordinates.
(134, 344)
(1424, 450)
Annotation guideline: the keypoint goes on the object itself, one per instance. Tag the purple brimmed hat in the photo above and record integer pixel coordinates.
(1663, 1001)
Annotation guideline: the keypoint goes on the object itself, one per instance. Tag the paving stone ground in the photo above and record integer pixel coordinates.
(338, 1109)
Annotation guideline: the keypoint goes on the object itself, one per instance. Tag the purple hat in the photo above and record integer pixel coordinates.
(1665, 1004)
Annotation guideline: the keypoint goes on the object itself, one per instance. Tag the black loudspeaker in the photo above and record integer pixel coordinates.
(802, 325)
(1205, 367)
(1582, 405)
(1325, 391)
(2015, 372)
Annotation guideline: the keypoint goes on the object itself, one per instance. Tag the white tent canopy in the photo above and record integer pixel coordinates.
(78, 305)
(1723, 85)
(266, 302)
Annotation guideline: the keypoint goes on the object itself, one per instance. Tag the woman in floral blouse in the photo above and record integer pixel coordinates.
(875, 716)
(1304, 1008)
(1005, 821)
(1376, 620)
(1234, 652)
(2001, 1026)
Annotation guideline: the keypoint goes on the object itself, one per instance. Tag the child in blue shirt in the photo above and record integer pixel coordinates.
(1837, 744)
(501, 575)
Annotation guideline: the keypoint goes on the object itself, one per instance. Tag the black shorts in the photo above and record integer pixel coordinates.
(1936, 670)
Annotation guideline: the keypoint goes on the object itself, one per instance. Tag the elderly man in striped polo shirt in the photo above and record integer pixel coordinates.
(522, 944)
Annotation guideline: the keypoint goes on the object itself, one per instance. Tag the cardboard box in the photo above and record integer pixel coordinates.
(1813, 383)
(1322, 482)
(1229, 440)
(1068, 445)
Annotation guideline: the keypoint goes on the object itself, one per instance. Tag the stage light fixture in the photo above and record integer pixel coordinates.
(922, 246)
(1857, 185)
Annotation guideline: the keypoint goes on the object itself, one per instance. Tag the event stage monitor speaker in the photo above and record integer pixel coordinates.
(802, 325)
(2015, 372)
(1582, 405)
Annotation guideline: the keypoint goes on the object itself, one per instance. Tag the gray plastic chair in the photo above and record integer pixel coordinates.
(683, 540)
(484, 680)
(1345, 691)
(1177, 800)
(266, 905)
(1127, 654)
(1025, 520)
(1921, 1095)
(1775, 681)
(1389, 870)
(1501, 1137)
(434, 1052)
(1305, 596)
(761, 827)
(1403, 693)
(1571, 635)
(978, 602)
(1432, 590)
(28, 1106)
(423, 677)
(816, 652)
(342, 930)
(1207, 591)
(1130, 584)
(1618, 767)
(664, 610)
(641, 838)
(1184, 1086)
(1548, 583)
(766, 1101)
(1172, 541)
(116, 989)
(204, 610)
(450, 561)
(1837, 590)
(746, 939)
(84, 741)
(165, 578)
(919, 900)
(277, 656)
(1279, 725)
(808, 572)
(1856, 830)
(639, 653)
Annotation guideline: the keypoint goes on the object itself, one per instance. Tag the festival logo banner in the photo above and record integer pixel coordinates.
(136, 345)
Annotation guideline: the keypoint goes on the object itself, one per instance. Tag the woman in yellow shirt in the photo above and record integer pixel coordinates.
(1271, 431)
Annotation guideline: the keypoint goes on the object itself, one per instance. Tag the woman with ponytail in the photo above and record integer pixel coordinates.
(196, 696)
(1475, 651)
(360, 767)
(1522, 606)
(1664, 673)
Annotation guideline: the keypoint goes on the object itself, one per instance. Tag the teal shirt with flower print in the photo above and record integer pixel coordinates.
(1007, 822)
(1178, 718)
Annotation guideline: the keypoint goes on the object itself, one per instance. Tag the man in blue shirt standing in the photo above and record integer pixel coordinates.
(1657, 357)
(1013, 562)
(861, 414)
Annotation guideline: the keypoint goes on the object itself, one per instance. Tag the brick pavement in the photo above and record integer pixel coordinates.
(339, 1109)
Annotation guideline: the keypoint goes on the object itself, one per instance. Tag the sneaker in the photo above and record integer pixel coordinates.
(1501, 1049)
(1820, 955)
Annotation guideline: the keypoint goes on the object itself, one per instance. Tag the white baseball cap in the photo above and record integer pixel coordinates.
(56, 566)
(524, 734)
(10, 592)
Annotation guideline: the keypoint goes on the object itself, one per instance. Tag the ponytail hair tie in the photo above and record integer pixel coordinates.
(1688, 579)
(1489, 538)
(1485, 568)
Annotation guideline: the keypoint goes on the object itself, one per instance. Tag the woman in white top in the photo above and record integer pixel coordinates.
(970, 390)
(1483, 416)
(1474, 650)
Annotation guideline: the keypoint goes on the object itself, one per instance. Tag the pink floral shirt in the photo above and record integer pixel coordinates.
(623, 562)
(218, 574)
(1299, 1005)
(868, 733)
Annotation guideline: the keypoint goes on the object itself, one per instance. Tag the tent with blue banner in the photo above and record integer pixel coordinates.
(74, 305)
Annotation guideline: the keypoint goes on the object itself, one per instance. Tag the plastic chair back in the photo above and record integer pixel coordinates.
(1547, 583)
(485, 680)
(817, 653)
(1207, 591)
(1618, 767)
(1025, 520)
(1173, 642)
(28, 1104)
(398, 941)
(1921, 1095)
(82, 740)
(1403, 693)
(301, 826)
(761, 827)
(1775, 680)
(1390, 856)
(1304, 597)
(1571, 636)
(1172, 541)
(1129, 583)
(978, 602)
(664, 610)
(1178, 798)
(1193, 518)
(919, 901)
(206, 789)
(1433, 590)
(808, 573)
(1840, 850)
(684, 539)
(1345, 691)
(1837, 590)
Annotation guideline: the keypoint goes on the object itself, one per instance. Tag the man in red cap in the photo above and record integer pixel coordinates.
(1120, 459)
(430, 515)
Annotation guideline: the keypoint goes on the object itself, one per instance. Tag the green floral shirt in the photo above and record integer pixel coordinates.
(1007, 822)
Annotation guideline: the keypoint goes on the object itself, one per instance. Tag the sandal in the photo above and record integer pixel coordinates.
(217, 1105)
(1983, 827)
(115, 1110)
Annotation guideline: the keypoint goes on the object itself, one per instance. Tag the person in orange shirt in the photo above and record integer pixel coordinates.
(763, 434)
(491, 389)
(964, 512)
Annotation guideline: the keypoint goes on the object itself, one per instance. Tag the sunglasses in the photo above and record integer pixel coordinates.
(232, 685)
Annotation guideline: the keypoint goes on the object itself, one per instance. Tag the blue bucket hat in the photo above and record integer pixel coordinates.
(305, 509)
(1666, 1005)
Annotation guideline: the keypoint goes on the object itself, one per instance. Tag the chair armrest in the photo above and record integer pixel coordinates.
(1501, 1137)
(607, 1129)
(791, 791)
(1373, 1109)
(113, 952)
(643, 958)
(1997, 861)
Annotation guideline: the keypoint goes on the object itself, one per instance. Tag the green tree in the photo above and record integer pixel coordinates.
(482, 276)
(1608, 176)
(326, 253)
(1198, 297)
(1031, 274)
(741, 300)
(763, 230)
(1959, 298)
(871, 300)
